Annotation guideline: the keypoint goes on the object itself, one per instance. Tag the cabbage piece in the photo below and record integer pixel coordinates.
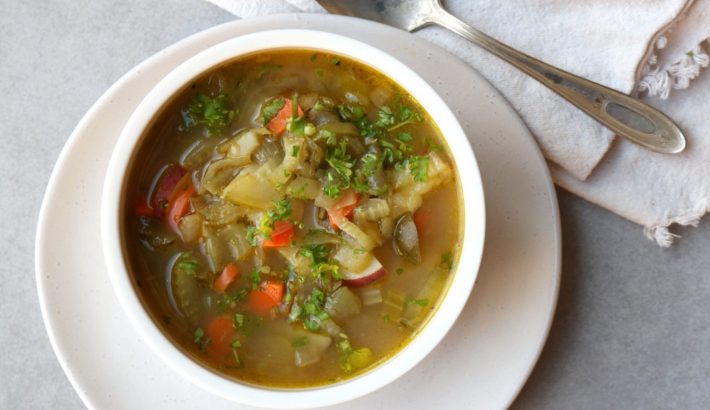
(342, 304)
(353, 260)
(372, 209)
(185, 286)
(302, 187)
(235, 237)
(221, 172)
(190, 227)
(251, 189)
(244, 144)
(309, 348)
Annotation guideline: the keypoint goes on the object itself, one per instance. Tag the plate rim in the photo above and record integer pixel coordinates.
(88, 117)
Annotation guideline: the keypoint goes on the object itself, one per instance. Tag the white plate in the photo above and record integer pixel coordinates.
(484, 360)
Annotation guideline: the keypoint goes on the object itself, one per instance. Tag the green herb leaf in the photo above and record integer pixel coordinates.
(187, 263)
(272, 108)
(199, 334)
(447, 260)
(419, 167)
(209, 112)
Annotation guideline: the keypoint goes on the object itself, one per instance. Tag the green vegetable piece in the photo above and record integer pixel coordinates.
(209, 112)
(419, 167)
(272, 108)
(185, 287)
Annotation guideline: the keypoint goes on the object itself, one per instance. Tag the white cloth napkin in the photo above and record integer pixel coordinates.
(609, 42)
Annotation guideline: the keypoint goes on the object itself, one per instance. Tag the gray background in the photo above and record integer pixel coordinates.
(631, 329)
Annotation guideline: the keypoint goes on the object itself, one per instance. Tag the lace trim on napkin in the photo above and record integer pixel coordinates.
(660, 80)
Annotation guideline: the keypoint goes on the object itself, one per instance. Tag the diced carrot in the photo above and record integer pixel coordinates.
(421, 220)
(228, 275)
(277, 125)
(281, 235)
(221, 333)
(344, 206)
(179, 203)
(266, 297)
(143, 208)
(165, 188)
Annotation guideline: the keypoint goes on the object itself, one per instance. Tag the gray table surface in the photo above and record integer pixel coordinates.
(631, 330)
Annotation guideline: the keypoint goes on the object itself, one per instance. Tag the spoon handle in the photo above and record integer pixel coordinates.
(625, 115)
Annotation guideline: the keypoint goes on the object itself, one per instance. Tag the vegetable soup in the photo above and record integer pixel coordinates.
(292, 219)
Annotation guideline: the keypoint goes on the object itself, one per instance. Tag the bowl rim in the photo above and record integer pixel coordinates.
(420, 345)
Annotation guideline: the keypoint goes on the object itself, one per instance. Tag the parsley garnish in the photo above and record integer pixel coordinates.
(210, 112)
(418, 167)
(329, 137)
(447, 260)
(312, 311)
(187, 263)
(420, 302)
(318, 253)
(271, 109)
(199, 334)
(385, 117)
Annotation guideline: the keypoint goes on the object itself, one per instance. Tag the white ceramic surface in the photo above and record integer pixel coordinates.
(446, 313)
(483, 361)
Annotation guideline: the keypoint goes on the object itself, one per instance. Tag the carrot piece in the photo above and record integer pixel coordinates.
(221, 332)
(277, 125)
(143, 208)
(344, 206)
(266, 297)
(180, 202)
(280, 236)
(228, 275)
(421, 220)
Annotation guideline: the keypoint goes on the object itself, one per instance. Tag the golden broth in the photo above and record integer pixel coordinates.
(179, 273)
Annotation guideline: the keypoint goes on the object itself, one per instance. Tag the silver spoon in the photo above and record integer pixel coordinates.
(625, 115)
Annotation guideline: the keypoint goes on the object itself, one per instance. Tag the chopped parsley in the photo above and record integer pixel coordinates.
(199, 334)
(420, 302)
(311, 311)
(329, 137)
(320, 268)
(187, 263)
(281, 211)
(209, 112)
(255, 278)
(340, 173)
(419, 167)
(271, 109)
(295, 150)
(447, 260)
(385, 117)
